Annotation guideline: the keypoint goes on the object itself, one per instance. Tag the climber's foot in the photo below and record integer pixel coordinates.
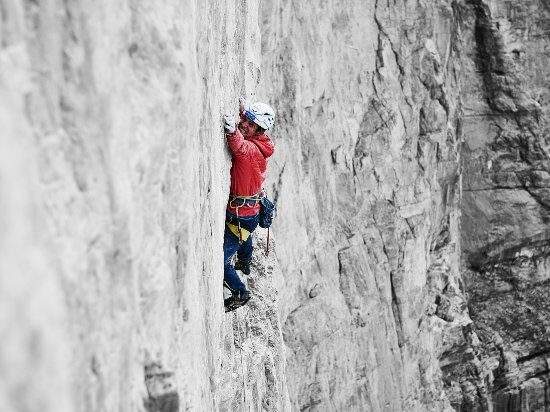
(243, 266)
(236, 300)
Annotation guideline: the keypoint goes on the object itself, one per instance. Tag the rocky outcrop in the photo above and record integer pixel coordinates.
(411, 174)
(369, 100)
(505, 207)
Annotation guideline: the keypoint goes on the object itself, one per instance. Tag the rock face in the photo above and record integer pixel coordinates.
(505, 233)
(113, 235)
(368, 182)
(412, 177)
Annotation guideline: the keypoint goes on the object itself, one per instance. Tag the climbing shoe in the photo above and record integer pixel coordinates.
(243, 266)
(236, 300)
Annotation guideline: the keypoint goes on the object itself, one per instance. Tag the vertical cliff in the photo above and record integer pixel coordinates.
(115, 173)
(368, 188)
(409, 259)
(505, 204)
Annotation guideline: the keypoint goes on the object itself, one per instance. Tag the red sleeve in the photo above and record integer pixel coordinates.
(237, 145)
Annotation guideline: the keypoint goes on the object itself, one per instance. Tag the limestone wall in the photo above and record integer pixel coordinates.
(505, 205)
(116, 174)
(367, 185)
(409, 173)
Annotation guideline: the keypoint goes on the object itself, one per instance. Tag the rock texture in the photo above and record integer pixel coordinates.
(425, 117)
(505, 207)
(115, 177)
(369, 100)
(411, 263)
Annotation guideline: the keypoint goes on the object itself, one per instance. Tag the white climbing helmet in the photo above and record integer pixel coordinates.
(262, 114)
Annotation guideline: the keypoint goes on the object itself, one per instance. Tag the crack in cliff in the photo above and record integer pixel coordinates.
(392, 46)
(278, 185)
(514, 291)
(540, 199)
(516, 187)
(483, 260)
(502, 85)
(543, 201)
(380, 57)
(396, 313)
(533, 355)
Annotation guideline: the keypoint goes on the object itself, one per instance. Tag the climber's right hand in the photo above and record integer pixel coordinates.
(229, 124)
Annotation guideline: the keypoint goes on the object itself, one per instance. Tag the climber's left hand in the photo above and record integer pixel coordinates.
(229, 124)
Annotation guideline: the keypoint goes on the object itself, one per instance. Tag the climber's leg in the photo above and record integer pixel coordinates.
(239, 294)
(230, 277)
(244, 256)
(237, 240)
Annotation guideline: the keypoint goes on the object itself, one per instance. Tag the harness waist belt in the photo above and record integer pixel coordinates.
(240, 201)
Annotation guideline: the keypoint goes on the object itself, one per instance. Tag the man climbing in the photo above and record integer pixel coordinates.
(250, 147)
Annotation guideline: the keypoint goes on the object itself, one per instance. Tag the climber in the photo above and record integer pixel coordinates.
(250, 147)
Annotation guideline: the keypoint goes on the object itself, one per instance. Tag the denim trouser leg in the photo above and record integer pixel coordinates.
(244, 254)
(231, 246)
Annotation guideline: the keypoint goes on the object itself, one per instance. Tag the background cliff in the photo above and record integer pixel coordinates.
(411, 258)
(505, 204)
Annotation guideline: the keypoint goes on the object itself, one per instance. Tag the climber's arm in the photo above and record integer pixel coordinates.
(238, 146)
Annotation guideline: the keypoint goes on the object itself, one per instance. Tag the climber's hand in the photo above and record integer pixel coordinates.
(229, 123)
(243, 104)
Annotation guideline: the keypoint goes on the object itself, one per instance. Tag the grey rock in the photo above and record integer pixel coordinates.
(408, 265)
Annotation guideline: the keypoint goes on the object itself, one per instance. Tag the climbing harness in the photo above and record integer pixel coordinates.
(266, 214)
(240, 201)
(237, 202)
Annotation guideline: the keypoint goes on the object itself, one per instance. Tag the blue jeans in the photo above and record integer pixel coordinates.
(231, 246)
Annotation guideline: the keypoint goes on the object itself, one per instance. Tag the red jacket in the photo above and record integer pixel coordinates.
(249, 163)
